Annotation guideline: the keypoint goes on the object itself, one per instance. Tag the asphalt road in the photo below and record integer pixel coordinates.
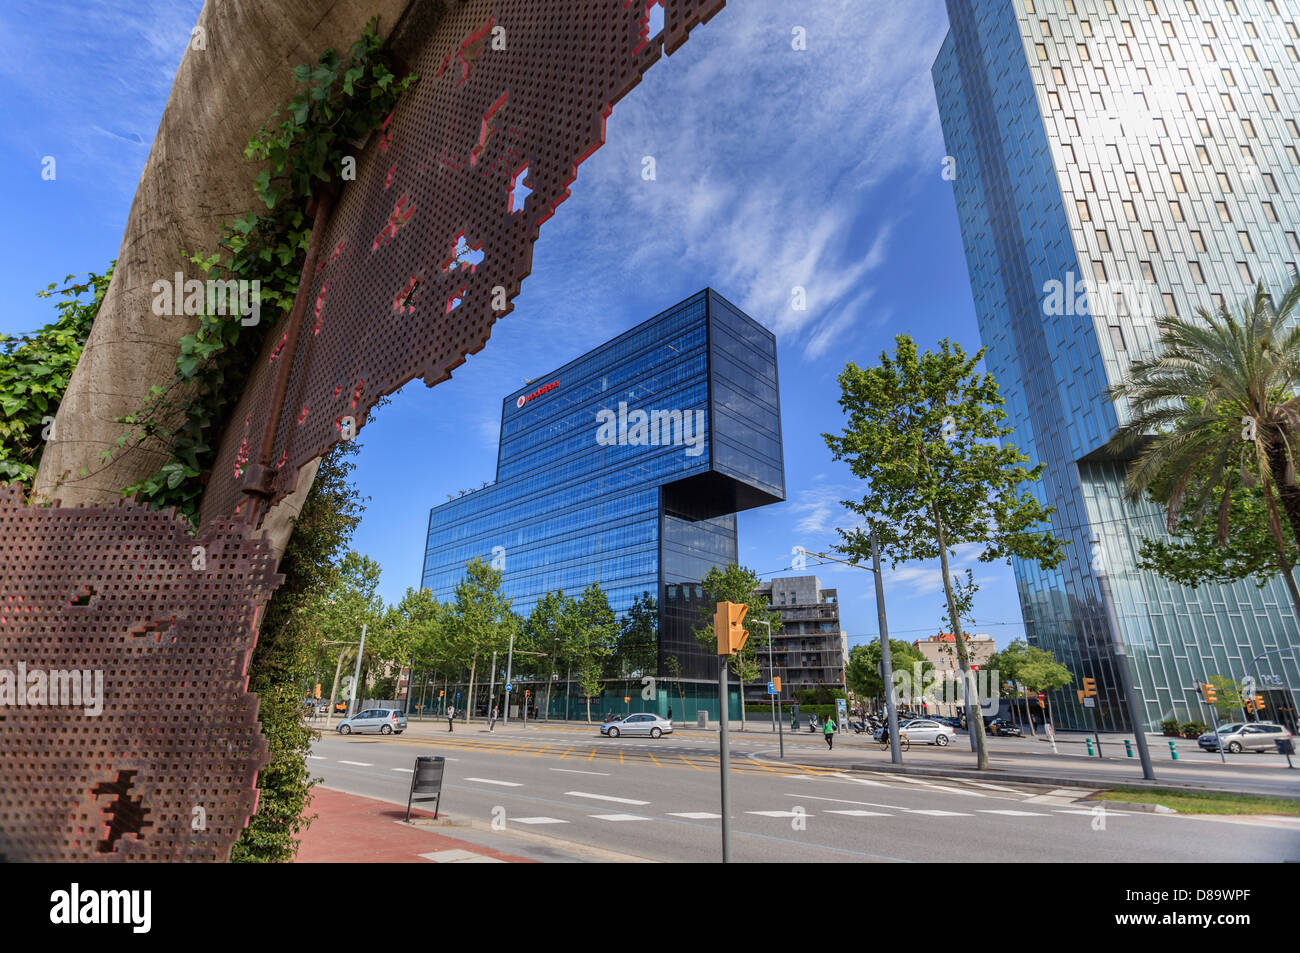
(659, 800)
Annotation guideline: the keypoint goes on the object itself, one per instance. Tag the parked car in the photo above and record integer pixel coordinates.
(1244, 736)
(639, 724)
(927, 731)
(340, 707)
(1007, 729)
(384, 721)
(323, 708)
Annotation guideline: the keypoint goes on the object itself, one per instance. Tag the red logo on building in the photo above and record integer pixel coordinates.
(537, 393)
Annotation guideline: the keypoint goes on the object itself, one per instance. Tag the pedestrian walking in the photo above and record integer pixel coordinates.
(829, 731)
(451, 714)
(493, 723)
(670, 712)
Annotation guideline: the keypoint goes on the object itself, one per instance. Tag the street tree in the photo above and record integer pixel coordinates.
(1008, 665)
(1217, 410)
(738, 584)
(925, 432)
(592, 631)
(481, 620)
(637, 654)
(863, 671)
(1228, 694)
(545, 631)
(1041, 672)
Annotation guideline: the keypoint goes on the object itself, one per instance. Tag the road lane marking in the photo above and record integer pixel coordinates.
(407, 770)
(1016, 813)
(504, 784)
(359, 764)
(618, 817)
(933, 813)
(690, 764)
(861, 813)
(695, 815)
(601, 774)
(655, 760)
(592, 756)
(566, 752)
(316, 757)
(541, 751)
(605, 797)
(538, 820)
(781, 813)
(1095, 810)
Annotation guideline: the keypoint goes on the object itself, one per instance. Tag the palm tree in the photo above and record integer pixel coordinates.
(1218, 409)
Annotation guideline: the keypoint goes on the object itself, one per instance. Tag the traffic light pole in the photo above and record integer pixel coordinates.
(724, 757)
(1125, 679)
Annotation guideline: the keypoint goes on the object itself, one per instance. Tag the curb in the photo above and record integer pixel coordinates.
(1128, 805)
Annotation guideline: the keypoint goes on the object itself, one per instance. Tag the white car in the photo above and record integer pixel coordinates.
(385, 721)
(926, 731)
(639, 724)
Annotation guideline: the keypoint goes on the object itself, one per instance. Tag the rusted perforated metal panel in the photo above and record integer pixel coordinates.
(505, 86)
(167, 769)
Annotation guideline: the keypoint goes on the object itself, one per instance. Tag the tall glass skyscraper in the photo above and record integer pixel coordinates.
(1116, 160)
(626, 467)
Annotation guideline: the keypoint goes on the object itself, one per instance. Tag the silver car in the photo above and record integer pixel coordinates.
(926, 731)
(1244, 736)
(384, 721)
(640, 724)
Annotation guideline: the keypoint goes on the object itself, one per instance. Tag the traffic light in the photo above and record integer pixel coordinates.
(1089, 688)
(318, 689)
(441, 693)
(1079, 692)
(776, 683)
(1259, 703)
(1210, 693)
(527, 692)
(729, 628)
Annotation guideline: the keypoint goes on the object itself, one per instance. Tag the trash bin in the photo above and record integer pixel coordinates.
(701, 718)
(1285, 745)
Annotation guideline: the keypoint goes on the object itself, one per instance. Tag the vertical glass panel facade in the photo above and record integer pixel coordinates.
(625, 467)
(1109, 158)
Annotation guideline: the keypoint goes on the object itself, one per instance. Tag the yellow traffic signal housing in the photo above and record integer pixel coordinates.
(1079, 692)
(729, 627)
(1089, 688)
(1210, 693)
(318, 689)
(1259, 703)
(776, 683)
(1248, 704)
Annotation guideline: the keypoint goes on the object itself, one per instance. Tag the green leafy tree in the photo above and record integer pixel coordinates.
(592, 631)
(284, 661)
(924, 432)
(1009, 663)
(1216, 411)
(863, 670)
(341, 610)
(1041, 672)
(481, 620)
(738, 584)
(545, 631)
(1196, 556)
(34, 373)
(1228, 696)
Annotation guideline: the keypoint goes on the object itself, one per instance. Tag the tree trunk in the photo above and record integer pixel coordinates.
(974, 717)
(1288, 494)
(1275, 527)
(568, 690)
(194, 181)
(469, 692)
(549, 683)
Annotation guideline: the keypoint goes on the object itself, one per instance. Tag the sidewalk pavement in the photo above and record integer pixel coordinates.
(353, 829)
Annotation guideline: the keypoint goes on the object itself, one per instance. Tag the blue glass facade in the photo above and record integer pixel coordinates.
(626, 467)
(1117, 160)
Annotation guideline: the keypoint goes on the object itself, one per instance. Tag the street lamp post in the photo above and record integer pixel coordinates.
(356, 675)
(1125, 678)
(1253, 673)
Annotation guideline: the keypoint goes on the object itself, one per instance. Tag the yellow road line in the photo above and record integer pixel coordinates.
(541, 751)
(654, 759)
(592, 756)
(690, 764)
(566, 752)
(620, 755)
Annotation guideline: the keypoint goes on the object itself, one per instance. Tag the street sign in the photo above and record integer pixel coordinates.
(1089, 702)
(771, 688)
(509, 686)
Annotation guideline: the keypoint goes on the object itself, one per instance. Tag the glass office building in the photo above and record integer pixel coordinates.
(626, 467)
(1116, 160)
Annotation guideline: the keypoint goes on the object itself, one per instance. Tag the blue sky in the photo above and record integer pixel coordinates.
(775, 168)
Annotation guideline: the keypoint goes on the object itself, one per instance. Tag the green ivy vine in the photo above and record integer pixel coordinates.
(338, 104)
(34, 373)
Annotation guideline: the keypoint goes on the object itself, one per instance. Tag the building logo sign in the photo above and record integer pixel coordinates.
(537, 393)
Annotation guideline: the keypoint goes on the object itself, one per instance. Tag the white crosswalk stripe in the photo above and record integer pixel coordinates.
(1017, 813)
(619, 817)
(781, 813)
(931, 813)
(695, 815)
(504, 784)
(605, 797)
(539, 820)
(861, 813)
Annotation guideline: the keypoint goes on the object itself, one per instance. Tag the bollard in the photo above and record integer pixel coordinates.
(1089, 741)
(1173, 751)
(1128, 747)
